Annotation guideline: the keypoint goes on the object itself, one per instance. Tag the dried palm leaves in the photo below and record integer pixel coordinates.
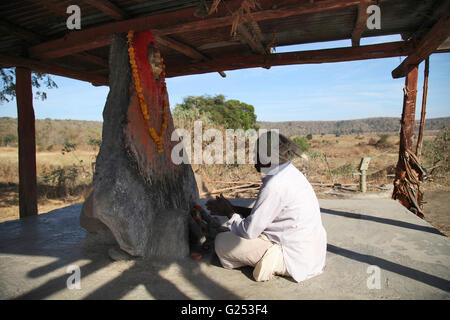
(243, 14)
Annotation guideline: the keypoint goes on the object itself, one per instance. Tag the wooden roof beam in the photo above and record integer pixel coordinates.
(116, 13)
(33, 38)
(68, 49)
(266, 14)
(384, 50)
(20, 32)
(171, 23)
(108, 8)
(429, 44)
(181, 47)
(90, 58)
(361, 22)
(10, 61)
(256, 30)
(251, 38)
(56, 7)
(184, 49)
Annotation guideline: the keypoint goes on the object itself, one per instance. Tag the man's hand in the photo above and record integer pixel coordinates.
(220, 207)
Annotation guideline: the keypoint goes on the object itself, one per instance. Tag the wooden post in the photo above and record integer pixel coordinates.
(424, 107)
(409, 108)
(408, 173)
(27, 144)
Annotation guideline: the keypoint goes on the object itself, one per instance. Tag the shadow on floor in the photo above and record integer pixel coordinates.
(141, 273)
(59, 235)
(392, 222)
(387, 265)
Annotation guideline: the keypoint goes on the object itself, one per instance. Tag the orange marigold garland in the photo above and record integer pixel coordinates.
(144, 109)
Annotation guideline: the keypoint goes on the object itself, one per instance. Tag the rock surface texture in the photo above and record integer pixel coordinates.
(140, 194)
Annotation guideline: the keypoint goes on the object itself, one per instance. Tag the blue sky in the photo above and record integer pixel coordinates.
(332, 91)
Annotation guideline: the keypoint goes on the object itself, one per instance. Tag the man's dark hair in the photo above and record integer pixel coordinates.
(288, 149)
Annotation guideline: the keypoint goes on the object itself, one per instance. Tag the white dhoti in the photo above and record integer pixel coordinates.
(261, 253)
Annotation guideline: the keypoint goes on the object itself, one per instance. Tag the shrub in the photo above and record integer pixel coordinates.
(63, 179)
(302, 142)
(8, 139)
(309, 136)
(315, 155)
(437, 152)
(95, 143)
(68, 147)
(343, 170)
(381, 143)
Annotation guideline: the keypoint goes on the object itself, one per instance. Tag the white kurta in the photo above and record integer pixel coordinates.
(287, 212)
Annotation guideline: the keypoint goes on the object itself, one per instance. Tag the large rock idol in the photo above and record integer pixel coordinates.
(139, 194)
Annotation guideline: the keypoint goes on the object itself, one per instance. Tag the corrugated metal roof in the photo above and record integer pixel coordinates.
(47, 19)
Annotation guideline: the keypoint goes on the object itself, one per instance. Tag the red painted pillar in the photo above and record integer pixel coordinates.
(27, 144)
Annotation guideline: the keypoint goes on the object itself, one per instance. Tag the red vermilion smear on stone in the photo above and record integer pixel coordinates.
(139, 140)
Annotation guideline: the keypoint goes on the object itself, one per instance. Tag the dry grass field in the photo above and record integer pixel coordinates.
(64, 179)
(331, 160)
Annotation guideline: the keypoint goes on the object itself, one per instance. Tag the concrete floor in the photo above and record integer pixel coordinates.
(413, 257)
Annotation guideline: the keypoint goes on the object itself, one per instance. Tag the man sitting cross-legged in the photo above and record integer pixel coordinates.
(283, 233)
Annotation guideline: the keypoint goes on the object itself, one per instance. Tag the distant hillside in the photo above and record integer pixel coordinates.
(369, 125)
(51, 134)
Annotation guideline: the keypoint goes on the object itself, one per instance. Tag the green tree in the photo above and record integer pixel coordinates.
(309, 136)
(232, 114)
(8, 84)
